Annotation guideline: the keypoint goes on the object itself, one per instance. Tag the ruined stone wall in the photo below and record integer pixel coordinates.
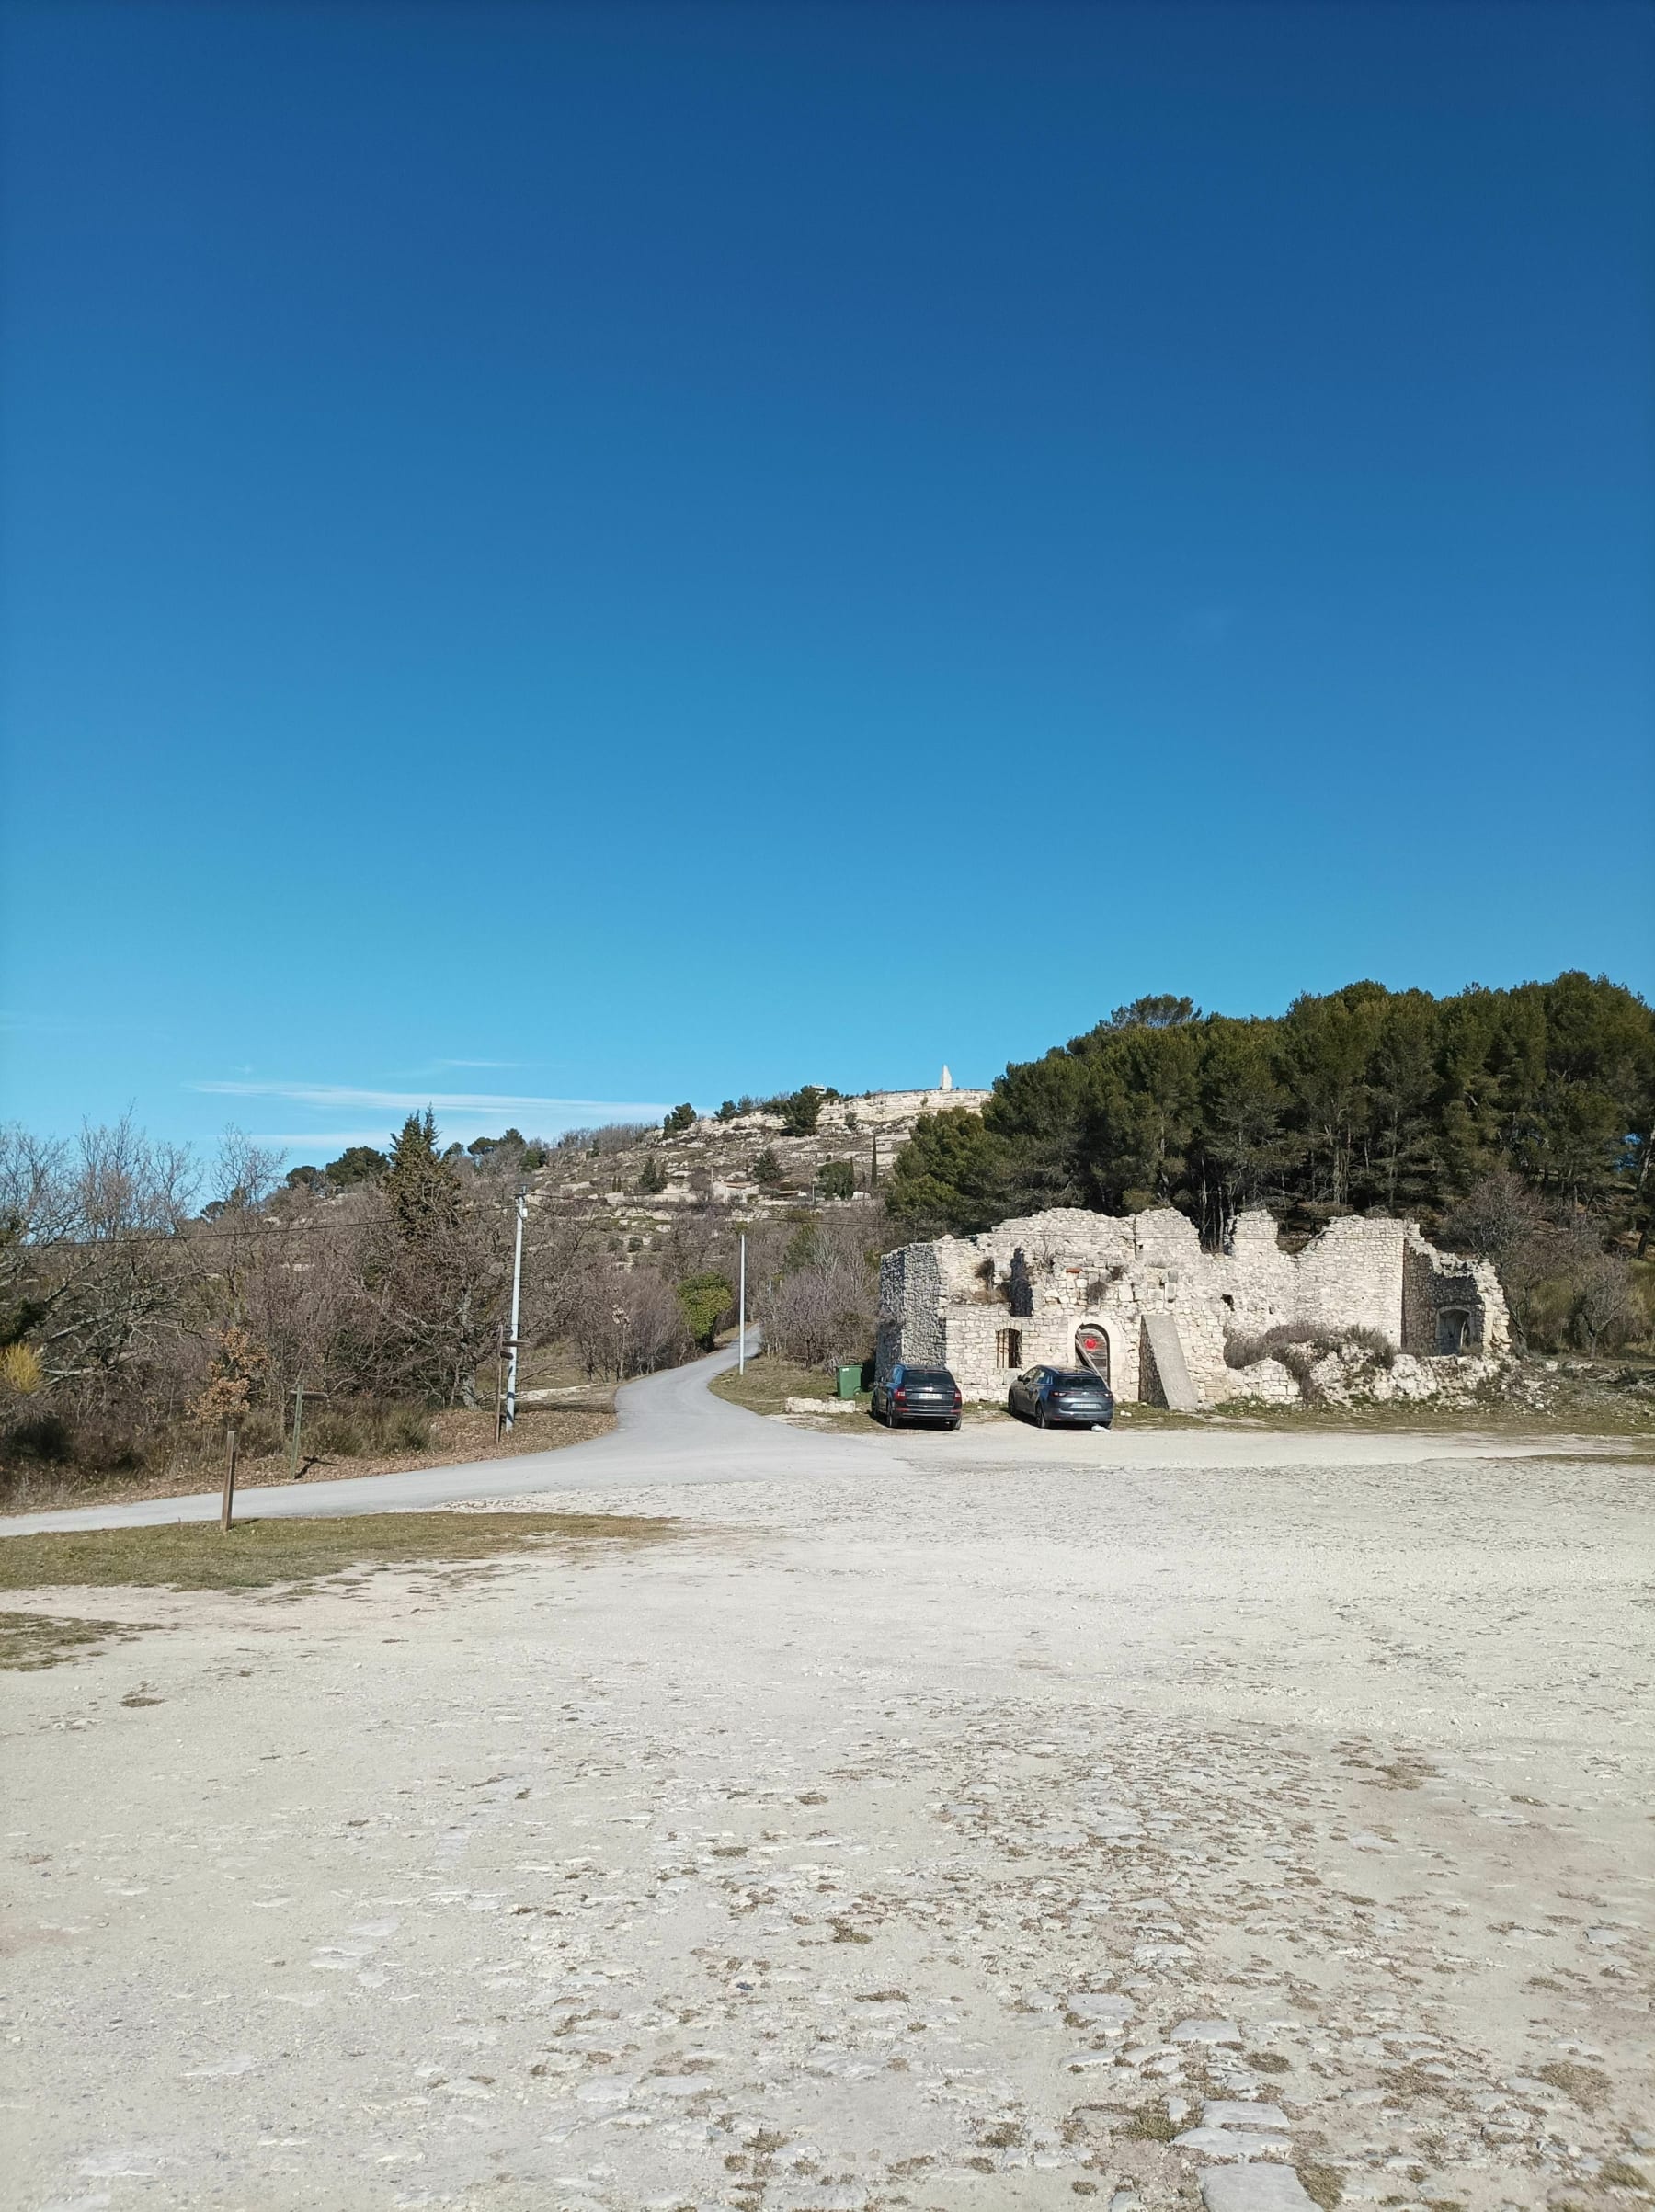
(975, 1353)
(1436, 1285)
(910, 1309)
(1350, 1276)
(948, 1298)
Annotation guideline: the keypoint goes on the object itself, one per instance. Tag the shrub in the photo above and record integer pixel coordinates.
(365, 1429)
(21, 1375)
(800, 1110)
(626, 1322)
(652, 1177)
(766, 1168)
(333, 1433)
(42, 1436)
(679, 1119)
(837, 1179)
(1300, 1344)
(705, 1299)
(821, 1315)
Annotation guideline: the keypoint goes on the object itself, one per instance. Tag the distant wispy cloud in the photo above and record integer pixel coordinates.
(461, 1114)
(331, 1097)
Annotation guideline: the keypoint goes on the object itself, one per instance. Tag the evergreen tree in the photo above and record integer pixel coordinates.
(1361, 1098)
(420, 1183)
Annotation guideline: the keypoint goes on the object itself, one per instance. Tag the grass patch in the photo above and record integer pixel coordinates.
(31, 1640)
(769, 1382)
(1618, 2175)
(1322, 2185)
(1148, 2123)
(257, 1554)
(1585, 2084)
(338, 1443)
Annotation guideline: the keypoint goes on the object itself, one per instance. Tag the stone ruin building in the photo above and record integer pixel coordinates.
(1373, 1304)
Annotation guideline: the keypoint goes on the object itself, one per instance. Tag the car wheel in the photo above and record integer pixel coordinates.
(1040, 1413)
(953, 1426)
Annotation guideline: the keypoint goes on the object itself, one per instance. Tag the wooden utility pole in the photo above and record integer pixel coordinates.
(499, 1378)
(227, 1508)
(298, 1426)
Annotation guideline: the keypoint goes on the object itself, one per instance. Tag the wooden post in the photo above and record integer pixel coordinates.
(298, 1426)
(499, 1378)
(228, 1508)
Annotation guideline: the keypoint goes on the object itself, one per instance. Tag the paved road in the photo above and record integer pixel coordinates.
(673, 1430)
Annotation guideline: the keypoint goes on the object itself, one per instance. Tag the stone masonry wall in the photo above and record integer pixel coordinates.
(946, 1301)
(1436, 1282)
(910, 1308)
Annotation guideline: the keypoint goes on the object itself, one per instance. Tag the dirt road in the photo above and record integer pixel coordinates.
(954, 1835)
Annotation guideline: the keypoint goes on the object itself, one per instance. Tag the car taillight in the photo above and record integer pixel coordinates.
(956, 1397)
(900, 1396)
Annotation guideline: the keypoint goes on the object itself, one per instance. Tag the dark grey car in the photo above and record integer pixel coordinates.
(918, 1393)
(1061, 1398)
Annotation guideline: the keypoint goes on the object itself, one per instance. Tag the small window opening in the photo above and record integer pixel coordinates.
(1007, 1347)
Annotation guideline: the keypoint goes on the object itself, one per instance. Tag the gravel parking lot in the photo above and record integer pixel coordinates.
(990, 1832)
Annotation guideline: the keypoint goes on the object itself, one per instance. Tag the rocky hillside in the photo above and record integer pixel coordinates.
(749, 1164)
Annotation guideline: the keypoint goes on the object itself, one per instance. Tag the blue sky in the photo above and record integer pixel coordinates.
(560, 559)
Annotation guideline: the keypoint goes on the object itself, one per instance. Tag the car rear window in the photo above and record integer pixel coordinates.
(928, 1375)
(1076, 1377)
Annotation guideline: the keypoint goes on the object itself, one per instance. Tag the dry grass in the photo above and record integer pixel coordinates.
(31, 1640)
(257, 1554)
(1149, 2124)
(1585, 2084)
(456, 1438)
(1322, 2183)
(769, 1382)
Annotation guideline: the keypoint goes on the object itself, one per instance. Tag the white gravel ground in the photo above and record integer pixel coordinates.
(901, 1838)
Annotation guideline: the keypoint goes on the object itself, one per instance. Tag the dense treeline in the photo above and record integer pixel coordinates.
(1361, 1100)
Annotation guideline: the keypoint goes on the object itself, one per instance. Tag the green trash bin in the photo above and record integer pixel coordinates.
(850, 1380)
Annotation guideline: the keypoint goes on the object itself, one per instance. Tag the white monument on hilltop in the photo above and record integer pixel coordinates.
(947, 1082)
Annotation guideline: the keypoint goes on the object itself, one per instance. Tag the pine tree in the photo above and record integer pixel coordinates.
(420, 1183)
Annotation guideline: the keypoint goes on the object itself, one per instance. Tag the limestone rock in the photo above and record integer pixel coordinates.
(1206, 2031)
(1254, 2188)
(1232, 2143)
(1237, 2112)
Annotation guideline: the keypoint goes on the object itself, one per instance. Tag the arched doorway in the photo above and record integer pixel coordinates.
(1453, 1331)
(1092, 1348)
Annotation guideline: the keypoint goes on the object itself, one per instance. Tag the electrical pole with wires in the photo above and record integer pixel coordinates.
(509, 1418)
